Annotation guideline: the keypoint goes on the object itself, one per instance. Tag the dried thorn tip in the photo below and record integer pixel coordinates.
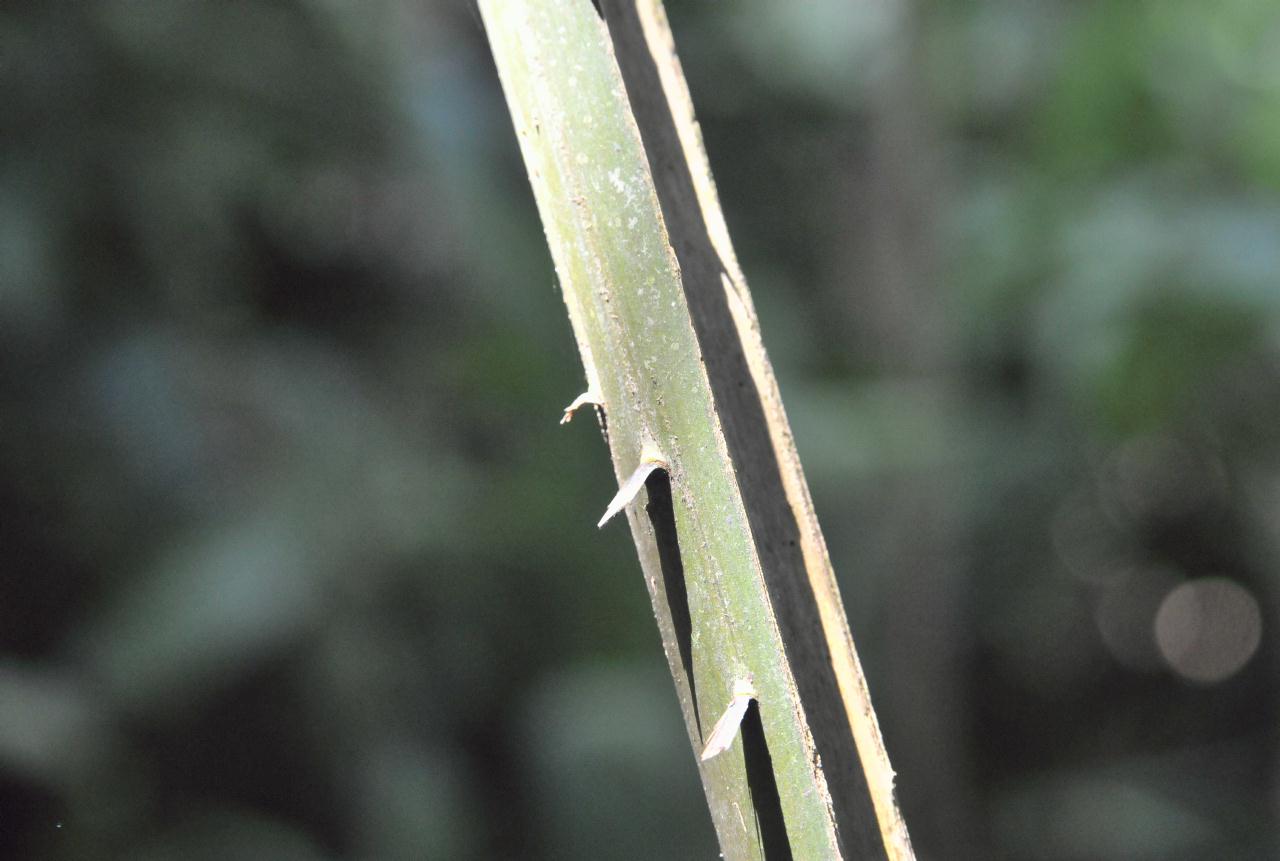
(631, 487)
(587, 397)
(726, 729)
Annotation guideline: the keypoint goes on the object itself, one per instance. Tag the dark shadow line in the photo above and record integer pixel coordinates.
(771, 828)
(662, 518)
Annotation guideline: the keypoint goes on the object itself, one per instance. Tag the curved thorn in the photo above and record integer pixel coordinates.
(587, 397)
(726, 729)
(631, 487)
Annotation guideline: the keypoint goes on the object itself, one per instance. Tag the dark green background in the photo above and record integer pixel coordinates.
(296, 563)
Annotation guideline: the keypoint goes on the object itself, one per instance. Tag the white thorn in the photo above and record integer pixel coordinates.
(648, 463)
(587, 397)
(726, 729)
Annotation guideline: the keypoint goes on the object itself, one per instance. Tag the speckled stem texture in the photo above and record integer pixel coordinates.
(736, 565)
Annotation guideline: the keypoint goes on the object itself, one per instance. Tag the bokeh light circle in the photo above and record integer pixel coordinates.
(1207, 629)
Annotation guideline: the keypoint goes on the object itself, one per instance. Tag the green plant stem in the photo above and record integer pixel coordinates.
(735, 562)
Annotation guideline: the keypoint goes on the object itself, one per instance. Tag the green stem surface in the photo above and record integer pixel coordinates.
(733, 557)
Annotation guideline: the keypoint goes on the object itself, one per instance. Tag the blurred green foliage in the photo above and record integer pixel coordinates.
(295, 562)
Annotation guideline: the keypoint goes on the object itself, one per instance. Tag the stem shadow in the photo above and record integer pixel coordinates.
(662, 518)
